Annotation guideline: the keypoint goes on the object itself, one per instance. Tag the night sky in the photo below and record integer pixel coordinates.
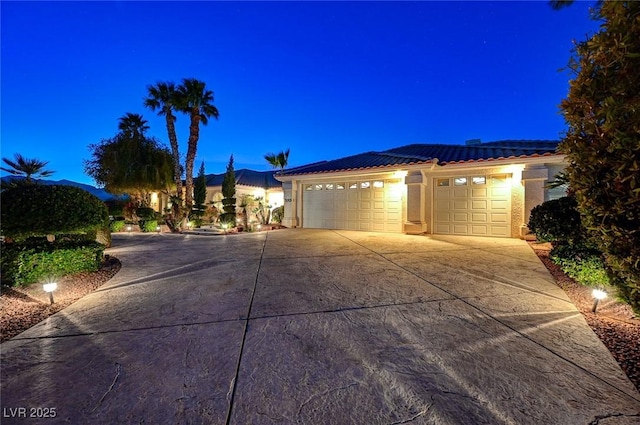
(326, 79)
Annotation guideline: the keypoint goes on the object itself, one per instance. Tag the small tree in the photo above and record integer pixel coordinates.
(200, 193)
(130, 162)
(229, 195)
(246, 202)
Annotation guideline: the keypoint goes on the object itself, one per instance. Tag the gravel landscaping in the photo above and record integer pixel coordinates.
(614, 323)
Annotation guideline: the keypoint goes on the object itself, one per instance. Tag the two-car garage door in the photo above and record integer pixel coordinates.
(369, 205)
(476, 205)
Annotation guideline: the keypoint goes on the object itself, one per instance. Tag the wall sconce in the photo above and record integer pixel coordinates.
(50, 287)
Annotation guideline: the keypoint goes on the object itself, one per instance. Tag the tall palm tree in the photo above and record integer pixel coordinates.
(132, 125)
(195, 100)
(162, 97)
(26, 167)
(279, 160)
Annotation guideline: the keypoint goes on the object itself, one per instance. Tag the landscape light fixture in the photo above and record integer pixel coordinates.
(598, 294)
(50, 287)
(259, 227)
(129, 228)
(224, 227)
(158, 229)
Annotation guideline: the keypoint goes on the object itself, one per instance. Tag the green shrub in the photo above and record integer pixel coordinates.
(148, 225)
(39, 210)
(557, 220)
(117, 225)
(587, 267)
(36, 260)
(278, 214)
(144, 213)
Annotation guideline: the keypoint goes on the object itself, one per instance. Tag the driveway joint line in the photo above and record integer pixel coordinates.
(498, 321)
(244, 333)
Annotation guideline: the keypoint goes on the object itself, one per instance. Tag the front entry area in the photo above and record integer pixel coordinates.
(369, 205)
(473, 205)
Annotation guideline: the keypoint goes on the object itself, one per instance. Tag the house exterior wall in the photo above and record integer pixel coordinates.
(526, 180)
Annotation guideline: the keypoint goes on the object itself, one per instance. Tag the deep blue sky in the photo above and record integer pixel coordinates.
(326, 79)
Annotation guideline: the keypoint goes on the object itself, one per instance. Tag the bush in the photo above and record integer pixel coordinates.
(149, 225)
(557, 220)
(117, 226)
(278, 214)
(584, 264)
(36, 260)
(38, 210)
(146, 213)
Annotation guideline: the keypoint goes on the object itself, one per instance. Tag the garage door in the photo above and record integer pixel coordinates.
(370, 205)
(474, 205)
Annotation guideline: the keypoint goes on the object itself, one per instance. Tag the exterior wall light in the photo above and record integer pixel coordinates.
(598, 294)
(50, 287)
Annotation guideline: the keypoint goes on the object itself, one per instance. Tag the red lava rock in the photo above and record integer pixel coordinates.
(24, 307)
(615, 323)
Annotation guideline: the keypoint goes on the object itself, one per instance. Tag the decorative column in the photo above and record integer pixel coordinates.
(290, 190)
(416, 203)
(534, 177)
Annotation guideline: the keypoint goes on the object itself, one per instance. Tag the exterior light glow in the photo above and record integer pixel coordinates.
(259, 227)
(129, 228)
(50, 287)
(158, 229)
(598, 294)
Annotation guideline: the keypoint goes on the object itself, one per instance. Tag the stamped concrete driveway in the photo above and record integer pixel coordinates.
(318, 327)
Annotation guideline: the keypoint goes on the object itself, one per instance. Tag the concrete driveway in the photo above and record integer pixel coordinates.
(318, 327)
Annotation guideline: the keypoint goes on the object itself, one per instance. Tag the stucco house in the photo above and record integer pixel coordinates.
(259, 184)
(482, 189)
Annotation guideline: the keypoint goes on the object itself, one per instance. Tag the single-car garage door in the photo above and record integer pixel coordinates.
(370, 205)
(476, 205)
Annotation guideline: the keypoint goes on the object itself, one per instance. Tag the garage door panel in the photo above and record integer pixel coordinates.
(365, 205)
(479, 230)
(479, 193)
(378, 205)
(460, 216)
(459, 204)
(499, 217)
(480, 207)
(460, 229)
(479, 217)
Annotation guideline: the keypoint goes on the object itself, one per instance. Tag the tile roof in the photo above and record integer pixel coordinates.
(246, 177)
(426, 153)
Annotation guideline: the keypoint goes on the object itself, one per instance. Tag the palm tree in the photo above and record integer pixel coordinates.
(132, 125)
(162, 97)
(193, 99)
(26, 167)
(279, 160)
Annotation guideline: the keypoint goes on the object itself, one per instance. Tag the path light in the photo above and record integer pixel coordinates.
(224, 227)
(259, 227)
(129, 228)
(598, 294)
(158, 229)
(188, 225)
(50, 287)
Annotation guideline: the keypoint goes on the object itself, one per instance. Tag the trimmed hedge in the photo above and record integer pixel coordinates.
(38, 210)
(37, 260)
(117, 225)
(148, 225)
(557, 221)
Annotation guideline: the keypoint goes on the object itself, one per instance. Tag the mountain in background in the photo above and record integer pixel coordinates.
(100, 193)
